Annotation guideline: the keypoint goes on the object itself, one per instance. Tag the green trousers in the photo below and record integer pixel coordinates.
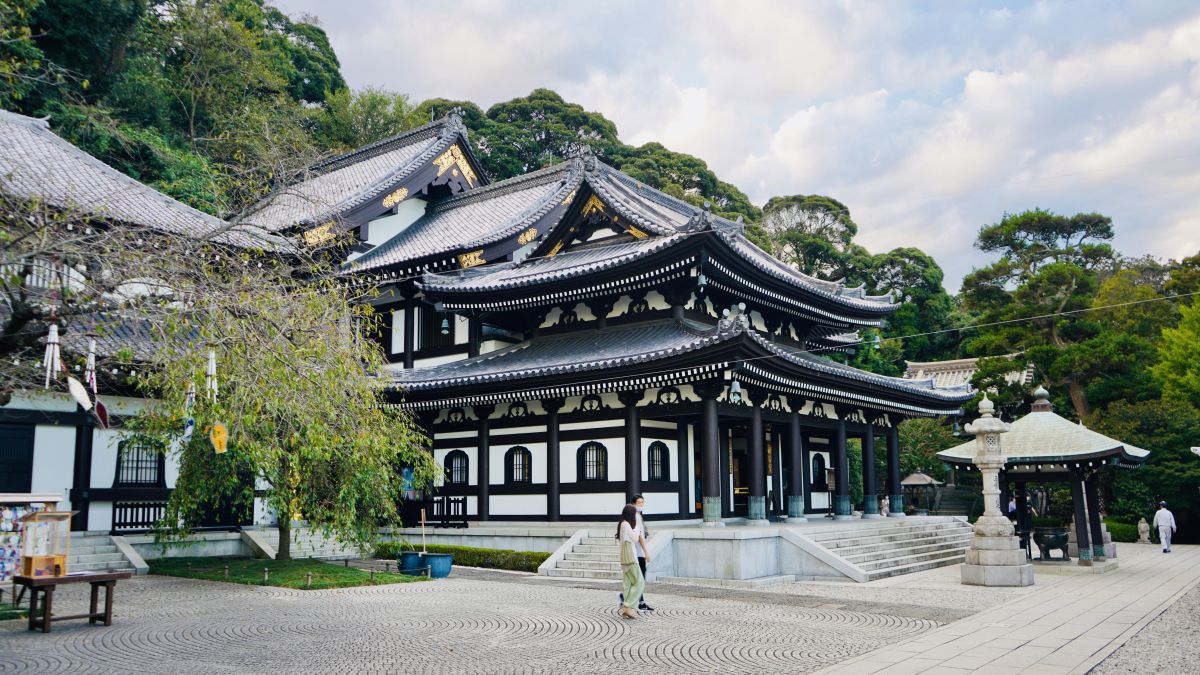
(635, 584)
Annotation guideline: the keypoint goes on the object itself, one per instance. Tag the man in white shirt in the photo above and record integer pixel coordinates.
(1164, 521)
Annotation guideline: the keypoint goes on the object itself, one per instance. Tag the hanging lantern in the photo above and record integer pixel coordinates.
(219, 436)
(701, 281)
(445, 326)
(735, 391)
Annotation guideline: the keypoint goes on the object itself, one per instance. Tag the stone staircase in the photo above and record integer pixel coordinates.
(307, 544)
(95, 552)
(596, 556)
(898, 546)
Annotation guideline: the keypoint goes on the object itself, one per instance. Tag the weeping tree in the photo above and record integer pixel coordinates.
(296, 389)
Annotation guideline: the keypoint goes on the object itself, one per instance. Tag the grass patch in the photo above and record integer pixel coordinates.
(286, 573)
(489, 558)
(8, 612)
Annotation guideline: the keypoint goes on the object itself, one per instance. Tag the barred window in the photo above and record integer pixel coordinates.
(660, 458)
(138, 463)
(456, 467)
(593, 461)
(518, 465)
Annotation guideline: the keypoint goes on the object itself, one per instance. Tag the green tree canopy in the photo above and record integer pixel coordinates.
(1178, 366)
(351, 120)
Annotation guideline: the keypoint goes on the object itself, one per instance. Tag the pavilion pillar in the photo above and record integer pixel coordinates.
(474, 336)
(841, 499)
(553, 456)
(870, 501)
(1094, 526)
(633, 443)
(797, 471)
(484, 413)
(1079, 501)
(710, 456)
(410, 322)
(1023, 524)
(684, 452)
(895, 494)
(757, 461)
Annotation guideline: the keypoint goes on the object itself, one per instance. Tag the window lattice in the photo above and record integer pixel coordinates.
(595, 461)
(456, 467)
(137, 463)
(659, 455)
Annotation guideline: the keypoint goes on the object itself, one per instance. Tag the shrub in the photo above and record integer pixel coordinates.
(490, 558)
(1121, 532)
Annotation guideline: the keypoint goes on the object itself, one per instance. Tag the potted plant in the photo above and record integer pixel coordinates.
(1049, 533)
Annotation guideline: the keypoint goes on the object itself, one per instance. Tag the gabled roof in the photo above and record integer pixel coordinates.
(340, 184)
(1043, 437)
(36, 163)
(960, 371)
(603, 352)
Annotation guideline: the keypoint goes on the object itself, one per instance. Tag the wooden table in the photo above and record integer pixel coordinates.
(46, 585)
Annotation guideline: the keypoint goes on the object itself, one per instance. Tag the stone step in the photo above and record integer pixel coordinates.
(594, 557)
(916, 567)
(92, 549)
(588, 565)
(599, 541)
(98, 566)
(872, 551)
(583, 548)
(96, 558)
(585, 574)
(904, 560)
(884, 528)
(883, 538)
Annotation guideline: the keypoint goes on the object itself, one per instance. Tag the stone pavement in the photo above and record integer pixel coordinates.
(481, 622)
(1068, 622)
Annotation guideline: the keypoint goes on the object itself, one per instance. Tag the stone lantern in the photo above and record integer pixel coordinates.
(995, 557)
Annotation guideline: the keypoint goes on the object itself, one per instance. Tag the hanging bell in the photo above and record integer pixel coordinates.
(735, 391)
(445, 326)
(701, 281)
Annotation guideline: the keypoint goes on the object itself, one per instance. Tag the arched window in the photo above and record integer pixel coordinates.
(659, 461)
(819, 478)
(456, 467)
(592, 460)
(139, 464)
(518, 465)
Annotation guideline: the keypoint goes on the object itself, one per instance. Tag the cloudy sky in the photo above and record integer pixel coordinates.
(928, 120)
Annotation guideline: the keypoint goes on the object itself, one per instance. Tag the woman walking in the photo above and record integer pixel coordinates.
(631, 571)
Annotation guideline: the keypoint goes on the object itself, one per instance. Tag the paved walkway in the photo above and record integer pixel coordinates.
(1068, 622)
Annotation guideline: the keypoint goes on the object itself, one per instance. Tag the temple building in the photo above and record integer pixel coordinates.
(571, 337)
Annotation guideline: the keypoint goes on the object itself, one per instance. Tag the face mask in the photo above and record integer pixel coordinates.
(639, 509)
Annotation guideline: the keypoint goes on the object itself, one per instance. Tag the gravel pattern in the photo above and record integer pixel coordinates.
(1167, 644)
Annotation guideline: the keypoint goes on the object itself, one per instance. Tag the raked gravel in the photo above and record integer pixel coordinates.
(1167, 644)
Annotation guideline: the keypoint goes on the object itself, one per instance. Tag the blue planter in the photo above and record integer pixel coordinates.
(409, 562)
(439, 564)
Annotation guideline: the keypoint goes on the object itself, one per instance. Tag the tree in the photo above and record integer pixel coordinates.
(814, 234)
(297, 390)
(1178, 366)
(351, 120)
(1049, 265)
(1184, 279)
(920, 441)
(915, 279)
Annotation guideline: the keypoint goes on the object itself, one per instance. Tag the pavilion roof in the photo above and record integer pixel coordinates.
(1043, 437)
(35, 163)
(340, 184)
(959, 371)
(918, 479)
(614, 348)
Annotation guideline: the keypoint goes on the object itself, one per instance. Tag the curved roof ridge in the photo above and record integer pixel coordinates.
(424, 132)
(525, 180)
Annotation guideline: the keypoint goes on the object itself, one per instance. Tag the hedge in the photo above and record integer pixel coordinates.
(491, 558)
(1122, 532)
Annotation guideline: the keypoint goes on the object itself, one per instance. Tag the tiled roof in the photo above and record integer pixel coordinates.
(345, 181)
(960, 371)
(616, 346)
(471, 218)
(36, 163)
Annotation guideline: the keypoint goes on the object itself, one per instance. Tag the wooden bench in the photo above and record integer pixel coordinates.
(45, 586)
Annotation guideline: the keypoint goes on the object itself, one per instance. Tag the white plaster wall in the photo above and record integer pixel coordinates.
(518, 505)
(100, 516)
(105, 443)
(566, 462)
(472, 505)
(398, 319)
(672, 459)
(437, 360)
(496, 468)
(462, 329)
(489, 346)
(820, 500)
(597, 503)
(53, 460)
(661, 502)
(656, 300)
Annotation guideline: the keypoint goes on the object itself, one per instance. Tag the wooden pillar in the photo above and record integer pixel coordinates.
(81, 479)
(797, 471)
(757, 460)
(710, 456)
(1023, 524)
(633, 443)
(895, 494)
(1094, 526)
(841, 500)
(726, 471)
(474, 336)
(483, 412)
(870, 500)
(553, 456)
(683, 451)
(1078, 500)
(410, 322)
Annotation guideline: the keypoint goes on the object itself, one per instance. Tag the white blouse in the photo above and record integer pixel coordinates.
(628, 533)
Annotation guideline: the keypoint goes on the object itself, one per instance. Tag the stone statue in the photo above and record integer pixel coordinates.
(1143, 532)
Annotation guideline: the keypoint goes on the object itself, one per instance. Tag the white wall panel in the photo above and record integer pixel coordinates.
(661, 502)
(397, 346)
(53, 460)
(99, 516)
(518, 505)
(105, 443)
(599, 503)
(439, 455)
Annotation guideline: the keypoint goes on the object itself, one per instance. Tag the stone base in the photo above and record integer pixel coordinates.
(758, 522)
(897, 514)
(871, 516)
(795, 509)
(997, 575)
(756, 508)
(841, 517)
(841, 505)
(712, 512)
(796, 519)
